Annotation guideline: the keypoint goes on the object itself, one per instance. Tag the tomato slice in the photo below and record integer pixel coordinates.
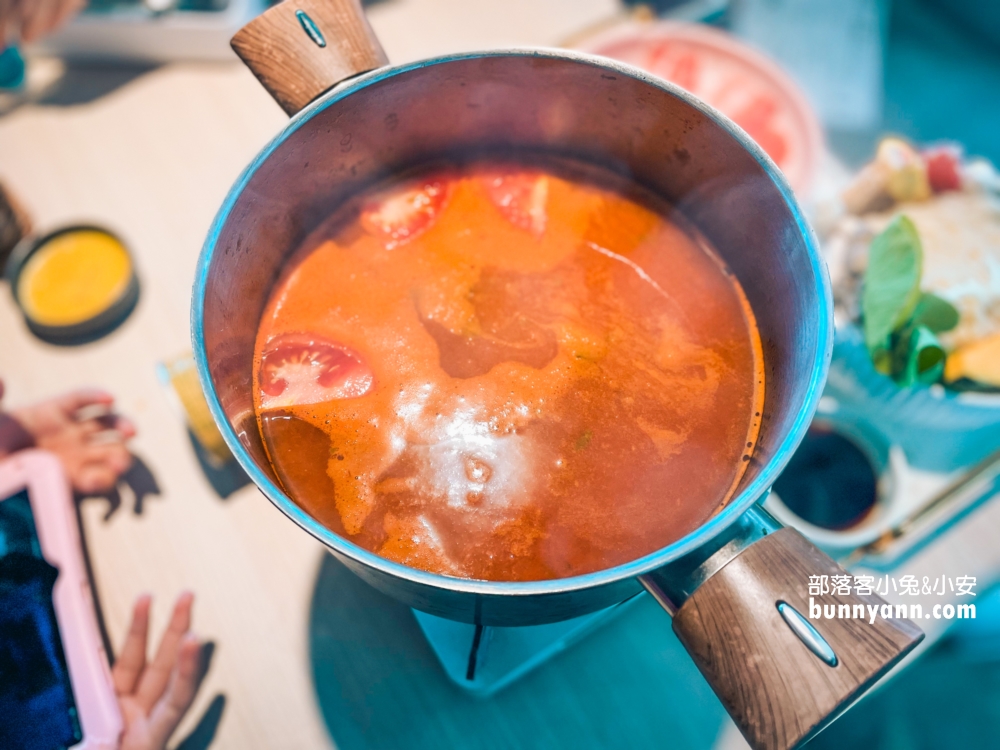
(521, 198)
(406, 210)
(300, 368)
(942, 169)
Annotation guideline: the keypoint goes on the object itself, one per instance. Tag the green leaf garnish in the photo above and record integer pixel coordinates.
(919, 357)
(892, 282)
(936, 314)
(882, 359)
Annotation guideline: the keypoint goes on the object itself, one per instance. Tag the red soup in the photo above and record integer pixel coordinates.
(508, 372)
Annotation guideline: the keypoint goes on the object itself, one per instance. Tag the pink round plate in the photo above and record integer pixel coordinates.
(740, 82)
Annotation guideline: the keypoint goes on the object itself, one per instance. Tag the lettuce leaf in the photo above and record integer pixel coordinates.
(934, 313)
(919, 357)
(892, 283)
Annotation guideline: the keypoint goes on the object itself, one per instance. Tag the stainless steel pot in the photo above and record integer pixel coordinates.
(737, 586)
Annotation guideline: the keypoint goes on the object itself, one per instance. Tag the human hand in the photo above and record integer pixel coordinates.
(154, 697)
(28, 20)
(92, 450)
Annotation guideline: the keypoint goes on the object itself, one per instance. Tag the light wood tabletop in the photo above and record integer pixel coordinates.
(152, 161)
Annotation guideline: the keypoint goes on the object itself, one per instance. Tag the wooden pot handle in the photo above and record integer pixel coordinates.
(299, 49)
(780, 684)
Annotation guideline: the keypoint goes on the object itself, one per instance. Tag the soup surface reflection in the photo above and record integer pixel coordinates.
(508, 372)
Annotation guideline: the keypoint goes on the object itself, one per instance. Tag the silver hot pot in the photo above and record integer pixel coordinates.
(737, 587)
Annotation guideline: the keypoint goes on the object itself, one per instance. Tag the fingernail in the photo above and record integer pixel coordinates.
(105, 437)
(92, 411)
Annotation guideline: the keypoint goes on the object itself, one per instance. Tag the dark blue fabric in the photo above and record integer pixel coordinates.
(37, 709)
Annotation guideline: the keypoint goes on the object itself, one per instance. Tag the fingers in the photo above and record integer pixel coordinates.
(89, 439)
(114, 456)
(99, 424)
(184, 682)
(39, 17)
(132, 659)
(93, 479)
(157, 675)
(73, 401)
(96, 468)
(125, 427)
(36, 16)
(110, 428)
(67, 9)
(93, 460)
(10, 22)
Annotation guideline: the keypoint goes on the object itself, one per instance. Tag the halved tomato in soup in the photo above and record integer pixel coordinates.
(521, 197)
(407, 210)
(301, 368)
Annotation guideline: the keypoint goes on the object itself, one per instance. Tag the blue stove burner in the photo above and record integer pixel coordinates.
(483, 660)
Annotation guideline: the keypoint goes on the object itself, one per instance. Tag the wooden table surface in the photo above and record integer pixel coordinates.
(153, 161)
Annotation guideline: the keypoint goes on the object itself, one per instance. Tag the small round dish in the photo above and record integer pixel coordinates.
(885, 463)
(73, 285)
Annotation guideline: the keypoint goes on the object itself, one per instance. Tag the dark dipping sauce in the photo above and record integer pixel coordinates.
(508, 372)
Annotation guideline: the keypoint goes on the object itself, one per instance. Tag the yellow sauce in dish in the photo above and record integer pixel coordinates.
(74, 277)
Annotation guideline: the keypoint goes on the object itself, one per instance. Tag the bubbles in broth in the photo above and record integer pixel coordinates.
(508, 372)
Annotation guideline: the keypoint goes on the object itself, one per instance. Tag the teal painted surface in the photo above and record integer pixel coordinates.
(942, 76)
(379, 685)
(941, 702)
(949, 698)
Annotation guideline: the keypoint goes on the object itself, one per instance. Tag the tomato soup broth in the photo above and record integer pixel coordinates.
(508, 372)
